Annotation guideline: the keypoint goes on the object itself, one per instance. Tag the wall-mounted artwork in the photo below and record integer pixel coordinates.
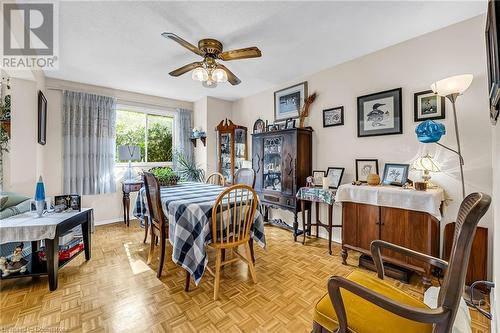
(289, 101)
(333, 117)
(364, 168)
(428, 106)
(380, 113)
(42, 118)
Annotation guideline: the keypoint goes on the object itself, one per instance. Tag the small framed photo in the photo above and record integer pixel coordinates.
(333, 117)
(270, 128)
(318, 177)
(290, 123)
(71, 201)
(428, 106)
(334, 176)
(364, 167)
(380, 113)
(259, 126)
(395, 174)
(289, 101)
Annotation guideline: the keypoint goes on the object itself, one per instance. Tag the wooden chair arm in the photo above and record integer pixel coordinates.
(413, 313)
(377, 258)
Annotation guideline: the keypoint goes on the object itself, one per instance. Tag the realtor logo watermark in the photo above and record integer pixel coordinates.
(30, 36)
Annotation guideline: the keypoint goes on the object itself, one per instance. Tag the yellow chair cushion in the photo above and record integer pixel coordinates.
(365, 317)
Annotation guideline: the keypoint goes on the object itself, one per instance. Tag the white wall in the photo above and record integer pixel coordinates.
(412, 65)
(107, 207)
(208, 113)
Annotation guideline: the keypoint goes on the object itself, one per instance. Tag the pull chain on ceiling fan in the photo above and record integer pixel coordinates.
(209, 71)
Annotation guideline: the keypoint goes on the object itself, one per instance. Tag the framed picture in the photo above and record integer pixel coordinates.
(69, 201)
(364, 168)
(290, 123)
(42, 118)
(492, 54)
(333, 117)
(259, 126)
(318, 177)
(289, 101)
(270, 127)
(380, 113)
(395, 174)
(334, 176)
(427, 105)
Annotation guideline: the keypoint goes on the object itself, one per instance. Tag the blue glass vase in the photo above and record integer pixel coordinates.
(430, 131)
(40, 197)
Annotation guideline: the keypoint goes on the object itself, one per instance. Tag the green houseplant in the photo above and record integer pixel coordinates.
(188, 170)
(165, 175)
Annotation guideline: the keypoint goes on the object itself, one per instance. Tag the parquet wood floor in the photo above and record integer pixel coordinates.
(117, 292)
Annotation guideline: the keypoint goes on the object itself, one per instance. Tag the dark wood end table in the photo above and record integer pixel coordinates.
(127, 188)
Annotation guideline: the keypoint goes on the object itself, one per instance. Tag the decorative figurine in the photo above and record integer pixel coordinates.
(17, 264)
(310, 181)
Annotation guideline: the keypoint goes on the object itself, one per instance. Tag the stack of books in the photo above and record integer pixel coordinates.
(70, 244)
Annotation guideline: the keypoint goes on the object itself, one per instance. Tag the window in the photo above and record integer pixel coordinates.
(147, 129)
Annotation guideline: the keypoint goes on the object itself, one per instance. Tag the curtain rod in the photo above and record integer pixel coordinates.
(125, 101)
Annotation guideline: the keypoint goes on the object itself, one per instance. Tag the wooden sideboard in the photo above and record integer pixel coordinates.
(419, 231)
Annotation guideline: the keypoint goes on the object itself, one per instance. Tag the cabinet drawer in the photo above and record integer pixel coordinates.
(131, 187)
(279, 200)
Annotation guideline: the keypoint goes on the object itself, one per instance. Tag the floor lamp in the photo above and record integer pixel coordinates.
(451, 88)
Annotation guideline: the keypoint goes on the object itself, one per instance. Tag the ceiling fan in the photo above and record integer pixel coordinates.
(209, 71)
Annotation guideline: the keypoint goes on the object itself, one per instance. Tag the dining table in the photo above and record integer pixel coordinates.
(188, 209)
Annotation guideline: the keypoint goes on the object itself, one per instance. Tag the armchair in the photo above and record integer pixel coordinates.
(361, 303)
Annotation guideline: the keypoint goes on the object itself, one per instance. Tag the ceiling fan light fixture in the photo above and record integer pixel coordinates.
(219, 75)
(209, 84)
(200, 74)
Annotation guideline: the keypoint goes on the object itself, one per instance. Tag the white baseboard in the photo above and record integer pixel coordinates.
(103, 222)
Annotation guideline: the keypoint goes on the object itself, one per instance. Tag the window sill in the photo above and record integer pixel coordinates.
(144, 165)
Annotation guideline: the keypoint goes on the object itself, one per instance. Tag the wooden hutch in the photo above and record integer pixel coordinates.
(282, 160)
(231, 148)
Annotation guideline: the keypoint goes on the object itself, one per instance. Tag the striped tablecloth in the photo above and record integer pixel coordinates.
(188, 207)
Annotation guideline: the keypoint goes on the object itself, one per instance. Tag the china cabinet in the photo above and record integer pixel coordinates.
(282, 160)
(231, 148)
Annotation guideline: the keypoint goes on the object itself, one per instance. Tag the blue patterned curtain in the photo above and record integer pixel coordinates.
(89, 138)
(183, 126)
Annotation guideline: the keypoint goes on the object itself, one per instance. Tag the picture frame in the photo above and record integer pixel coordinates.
(290, 123)
(395, 174)
(270, 128)
(380, 113)
(318, 177)
(334, 175)
(492, 54)
(42, 118)
(333, 116)
(364, 167)
(259, 126)
(428, 106)
(289, 101)
(72, 201)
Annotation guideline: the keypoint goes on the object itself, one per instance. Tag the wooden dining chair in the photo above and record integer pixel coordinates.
(361, 303)
(216, 179)
(157, 221)
(245, 176)
(232, 218)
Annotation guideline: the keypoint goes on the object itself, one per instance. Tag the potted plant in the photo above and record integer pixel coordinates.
(165, 175)
(188, 170)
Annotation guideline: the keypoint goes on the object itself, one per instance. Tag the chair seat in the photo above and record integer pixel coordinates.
(365, 317)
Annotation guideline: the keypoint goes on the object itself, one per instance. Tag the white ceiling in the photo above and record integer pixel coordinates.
(118, 44)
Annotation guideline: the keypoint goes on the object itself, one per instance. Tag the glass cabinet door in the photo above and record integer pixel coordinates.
(239, 148)
(225, 155)
(272, 163)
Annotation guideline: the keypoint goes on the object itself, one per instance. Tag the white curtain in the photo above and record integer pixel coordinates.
(89, 138)
(183, 126)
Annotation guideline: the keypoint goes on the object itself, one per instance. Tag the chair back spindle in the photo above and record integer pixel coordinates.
(232, 216)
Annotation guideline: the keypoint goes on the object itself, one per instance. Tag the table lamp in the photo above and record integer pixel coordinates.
(451, 88)
(129, 153)
(427, 165)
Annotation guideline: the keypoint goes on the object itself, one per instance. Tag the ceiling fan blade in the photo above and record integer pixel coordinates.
(233, 79)
(248, 52)
(186, 68)
(183, 42)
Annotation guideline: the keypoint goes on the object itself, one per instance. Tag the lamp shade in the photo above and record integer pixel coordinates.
(452, 85)
(129, 153)
(426, 163)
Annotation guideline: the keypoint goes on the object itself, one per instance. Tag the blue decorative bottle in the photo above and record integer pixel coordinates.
(40, 197)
